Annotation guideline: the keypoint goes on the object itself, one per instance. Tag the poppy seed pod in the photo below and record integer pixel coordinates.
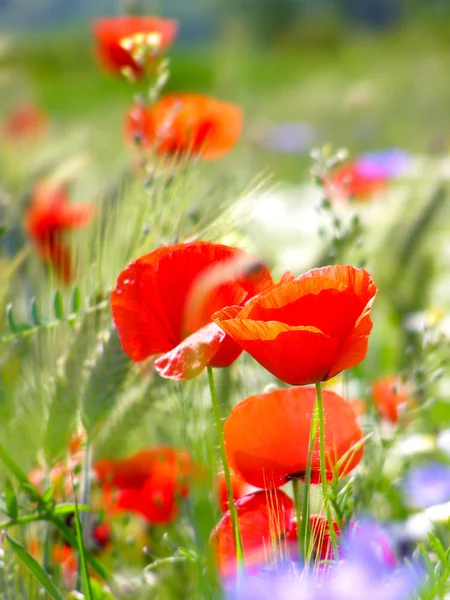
(267, 437)
(307, 329)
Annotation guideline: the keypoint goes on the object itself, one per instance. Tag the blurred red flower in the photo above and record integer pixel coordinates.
(390, 394)
(48, 218)
(110, 32)
(276, 449)
(351, 181)
(186, 124)
(163, 303)
(149, 483)
(25, 122)
(307, 329)
(264, 518)
(239, 488)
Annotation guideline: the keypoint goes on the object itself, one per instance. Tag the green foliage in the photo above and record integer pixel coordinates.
(108, 372)
(32, 564)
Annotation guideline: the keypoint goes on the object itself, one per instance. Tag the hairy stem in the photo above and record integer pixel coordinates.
(323, 467)
(226, 470)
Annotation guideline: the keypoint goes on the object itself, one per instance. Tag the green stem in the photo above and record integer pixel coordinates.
(21, 521)
(305, 535)
(85, 496)
(47, 542)
(298, 514)
(226, 470)
(323, 467)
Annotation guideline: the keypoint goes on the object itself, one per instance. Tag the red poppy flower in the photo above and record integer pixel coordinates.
(390, 394)
(264, 517)
(163, 303)
(321, 541)
(239, 488)
(133, 471)
(25, 122)
(267, 436)
(307, 329)
(186, 124)
(112, 31)
(49, 216)
(351, 181)
(149, 483)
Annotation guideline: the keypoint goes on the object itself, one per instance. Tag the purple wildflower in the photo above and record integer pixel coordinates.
(384, 163)
(364, 572)
(289, 138)
(427, 484)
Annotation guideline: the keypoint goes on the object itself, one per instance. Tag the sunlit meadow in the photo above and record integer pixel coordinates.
(225, 303)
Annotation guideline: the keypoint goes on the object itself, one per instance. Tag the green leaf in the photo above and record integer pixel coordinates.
(76, 299)
(35, 315)
(46, 502)
(58, 305)
(11, 321)
(31, 491)
(48, 494)
(34, 567)
(12, 509)
(15, 327)
(438, 548)
(68, 509)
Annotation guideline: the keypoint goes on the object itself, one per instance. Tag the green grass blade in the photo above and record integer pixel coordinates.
(72, 539)
(9, 462)
(82, 563)
(34, 567)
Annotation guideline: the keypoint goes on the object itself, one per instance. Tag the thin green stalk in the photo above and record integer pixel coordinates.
(85, 496)
(21, 521)
(323, 468)
(226, 470)
(305, 534)
(298, 513)
(46, 562)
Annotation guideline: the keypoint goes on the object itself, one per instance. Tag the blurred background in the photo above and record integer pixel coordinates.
(367, 74)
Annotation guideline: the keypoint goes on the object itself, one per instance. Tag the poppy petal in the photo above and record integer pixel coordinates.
(152, 304)
(139, 313)
(309, 350)
(358, 280)
(189, 358)
(109, 33)
(225, 283)
(354, 349)
(267, 454)
(264, 517)
(187, 124)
